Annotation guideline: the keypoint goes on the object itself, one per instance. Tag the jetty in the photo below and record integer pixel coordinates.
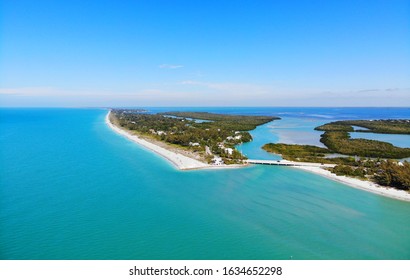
(287, 163)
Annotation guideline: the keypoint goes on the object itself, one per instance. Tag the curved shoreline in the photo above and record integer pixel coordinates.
(359, 184)
(183, 162)
(180, 161)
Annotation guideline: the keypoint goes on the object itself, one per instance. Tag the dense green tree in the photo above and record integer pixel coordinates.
(394, 174)
(179, 128)
(372, 163)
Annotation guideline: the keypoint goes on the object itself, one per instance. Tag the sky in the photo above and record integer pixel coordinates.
(204, 53)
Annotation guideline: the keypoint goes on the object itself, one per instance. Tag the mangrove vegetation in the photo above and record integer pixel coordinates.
(362, 158)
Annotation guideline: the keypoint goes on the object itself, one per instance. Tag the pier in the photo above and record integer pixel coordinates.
(287, 163)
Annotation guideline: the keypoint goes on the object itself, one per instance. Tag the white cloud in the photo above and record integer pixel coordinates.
(251, 89)
(54, 92)
(199, 93)
(190, 82)
(170, 66)
(27, 91)
(368, 90)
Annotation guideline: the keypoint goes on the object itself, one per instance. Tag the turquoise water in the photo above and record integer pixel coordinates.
(298, 131)
(288, 130)
(399, 140)
(261, 135)
(70, 188)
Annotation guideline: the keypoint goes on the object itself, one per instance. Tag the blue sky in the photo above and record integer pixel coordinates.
(205, 53)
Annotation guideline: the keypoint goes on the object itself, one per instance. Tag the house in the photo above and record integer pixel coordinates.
(229, 150)
(217, 161)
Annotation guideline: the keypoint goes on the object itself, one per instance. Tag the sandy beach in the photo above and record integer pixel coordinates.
(359, 184)
(179, 160)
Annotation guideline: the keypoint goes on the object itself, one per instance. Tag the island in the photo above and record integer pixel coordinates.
(190, 140)
(198, 140)
(368, 160)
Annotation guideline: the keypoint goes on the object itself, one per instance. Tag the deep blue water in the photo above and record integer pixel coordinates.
(70, 188)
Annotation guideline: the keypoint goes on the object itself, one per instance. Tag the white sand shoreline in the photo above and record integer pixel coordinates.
(183, 162)
(180, 161)
(359, 184)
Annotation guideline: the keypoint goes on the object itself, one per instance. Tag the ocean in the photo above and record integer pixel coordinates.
(71, 188)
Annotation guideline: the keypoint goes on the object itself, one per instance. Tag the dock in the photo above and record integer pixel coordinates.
(287, 163)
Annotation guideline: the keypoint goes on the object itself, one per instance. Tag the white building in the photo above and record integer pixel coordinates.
(217, 161)
(229, 150)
